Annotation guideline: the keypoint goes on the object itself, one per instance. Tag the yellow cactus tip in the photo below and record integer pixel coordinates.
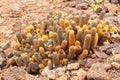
(41, 66)
(66, 24)
(28, 28)
(105, 28)
(71, 31)
(77, 42)
(31, 60)
(85, 27)
(45, 38)
(99, 28)
(18, 44)
(77, 27)
(49, 62)
(66, 21)
(29, 35)
(31, 26)
(112, 29)
(37, 30)
(83, 54)
(50, 47)
(22, 54)
(15, 39)
(33, 57)
(64, 60)
(50, 34)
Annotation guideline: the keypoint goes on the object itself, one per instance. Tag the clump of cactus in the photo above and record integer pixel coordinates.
(56, 41)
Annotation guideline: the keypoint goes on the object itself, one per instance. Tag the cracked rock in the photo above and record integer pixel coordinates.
(98, 71)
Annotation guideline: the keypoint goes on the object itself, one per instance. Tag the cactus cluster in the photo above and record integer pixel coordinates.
(55, 41)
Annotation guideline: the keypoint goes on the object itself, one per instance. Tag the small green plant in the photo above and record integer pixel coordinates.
(95, 5)
(98, 1)
(65, 0)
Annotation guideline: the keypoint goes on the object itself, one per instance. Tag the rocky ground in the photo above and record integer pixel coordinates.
(16, 14)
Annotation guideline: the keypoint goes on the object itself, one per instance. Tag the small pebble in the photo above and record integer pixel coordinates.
(61, 71)
(73, 66)
(81, 74)
(116, 58)
(100, 54)
(115, 65)
(49, 73)
(74, 78)
(74, 72)
(63, 77)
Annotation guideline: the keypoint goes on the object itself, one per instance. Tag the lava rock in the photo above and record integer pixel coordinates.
(80, 1)
(105, 47)
(91, 61)
(98, 71)
(33, 68)
(74, 78)
(63, 77)
(81, 74)
(74, 72)
(61, 71)
(101, 54)
(116, 58)
(115, 65)
(82, 6)
(51, 74)
(73, 66)
(13, 73)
